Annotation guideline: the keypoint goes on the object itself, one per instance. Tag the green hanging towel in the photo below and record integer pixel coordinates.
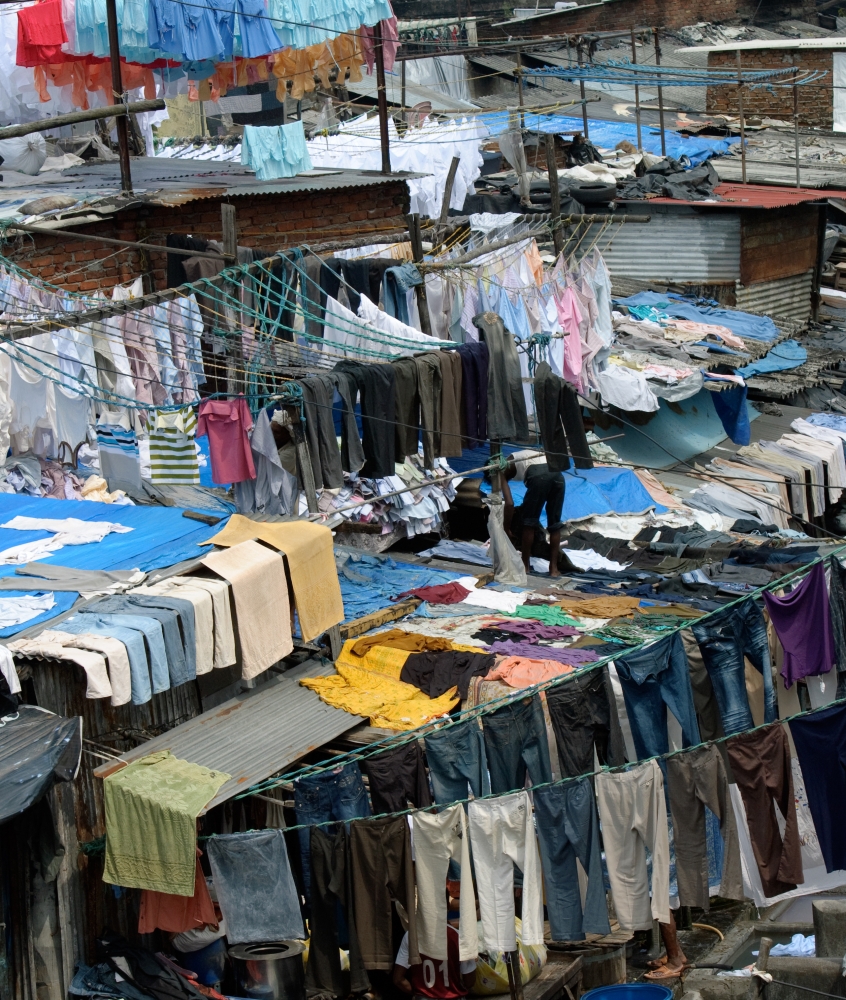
(151, 811)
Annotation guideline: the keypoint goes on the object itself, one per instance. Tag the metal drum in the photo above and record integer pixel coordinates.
(269, 971)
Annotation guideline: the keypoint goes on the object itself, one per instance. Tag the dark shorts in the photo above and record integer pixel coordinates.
(543, 488)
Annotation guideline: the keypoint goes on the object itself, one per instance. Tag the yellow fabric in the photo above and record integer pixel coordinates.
(387, 660)
(311, 565)
(387, 702)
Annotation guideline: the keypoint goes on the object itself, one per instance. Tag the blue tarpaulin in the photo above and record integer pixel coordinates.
(607, 134)
(742, 323)
(161, 536)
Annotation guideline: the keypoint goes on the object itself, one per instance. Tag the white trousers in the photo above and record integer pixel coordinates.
(633, 815)
(502, 832)
(439, 837)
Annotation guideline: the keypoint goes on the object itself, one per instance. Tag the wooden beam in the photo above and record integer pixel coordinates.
(25, 227)
(77, 117)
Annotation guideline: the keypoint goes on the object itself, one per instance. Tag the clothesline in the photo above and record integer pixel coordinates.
(394, 742)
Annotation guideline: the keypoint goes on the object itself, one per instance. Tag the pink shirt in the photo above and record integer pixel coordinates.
(226, 422)
(520, 672)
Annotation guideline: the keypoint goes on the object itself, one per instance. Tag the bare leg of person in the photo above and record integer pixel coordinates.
(527, 542)
(554, 551)
(676, 962)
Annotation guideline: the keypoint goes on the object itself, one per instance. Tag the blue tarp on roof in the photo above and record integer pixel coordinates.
(161, 536)
(607, 134)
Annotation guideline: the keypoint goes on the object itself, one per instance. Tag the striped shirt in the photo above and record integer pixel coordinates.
(173, 454)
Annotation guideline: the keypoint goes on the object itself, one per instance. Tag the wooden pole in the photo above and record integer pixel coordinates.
(582, 94)
(121, 124)
(637, 97)
(450, 183)
(417, 256)
(520, 86)
(660, 94)
(796, 131)
(381, 97)
(77, 117)
(756, 984)
(50, 231)
(554, 195)
(402, 89)
(229, 230)
(742, 123)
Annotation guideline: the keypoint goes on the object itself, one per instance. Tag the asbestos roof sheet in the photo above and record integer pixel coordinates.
(755, 196)
(255, 734)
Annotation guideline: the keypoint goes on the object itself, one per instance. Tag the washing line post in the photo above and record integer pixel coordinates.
(637, 96)
(520, 86)
(118, 97)
(554, 195)
(796, 131)
(402, 89)
(579, 55)
(660, 93)
(381, 96)
(742, 123)
(416, 240)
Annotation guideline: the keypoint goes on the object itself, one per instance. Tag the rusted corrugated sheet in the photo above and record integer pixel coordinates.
(789, 297)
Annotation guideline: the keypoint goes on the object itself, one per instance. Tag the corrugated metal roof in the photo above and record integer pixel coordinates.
(758, 44)
(693, 249)
(415, 93)
(789, 297)
(755, 196)
(256, 734)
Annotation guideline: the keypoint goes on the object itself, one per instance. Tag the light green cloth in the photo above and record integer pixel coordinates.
(547, 614)
(151, 831)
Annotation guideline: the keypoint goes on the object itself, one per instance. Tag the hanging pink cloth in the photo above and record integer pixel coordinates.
(390, 45)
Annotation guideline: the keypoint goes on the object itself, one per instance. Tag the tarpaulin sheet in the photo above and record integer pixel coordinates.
(742, 323)
(37, 749)
(788, 354)
(368, 583)
(161, 536)
(605, 134)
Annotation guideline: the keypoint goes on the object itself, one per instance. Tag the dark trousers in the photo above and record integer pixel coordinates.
(820, 741)
(760, 763)
(396, 778)
(382, 872)
(581, 717)
(474, 368)
(516, 743)
(318, 395)
(376, 386)
(331, 893)
(568, 828)
(407, 407)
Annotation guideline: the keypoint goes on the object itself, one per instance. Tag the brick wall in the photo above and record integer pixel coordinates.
(268, 221)
(614, 15)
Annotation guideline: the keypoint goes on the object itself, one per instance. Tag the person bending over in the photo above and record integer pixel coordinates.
(543, 489)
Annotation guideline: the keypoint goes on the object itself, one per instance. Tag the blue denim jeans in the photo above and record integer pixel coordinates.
(151, 629)
(725, 638)
(568, 828)
(133, 641)
(253, 880)
(456, 757)
(653, 680)
(338, 794)
(516, 742)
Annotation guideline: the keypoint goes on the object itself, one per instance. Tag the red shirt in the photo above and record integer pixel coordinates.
(435, 977)
(226, 422)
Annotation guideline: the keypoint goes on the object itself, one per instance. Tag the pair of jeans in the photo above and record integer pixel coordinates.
(255, 887)
(396, 283)
(516, 742)
(725, 639)
(820, 741)
(760, 764)
(653, 680)
(695, 780)
(133, 641)
(383, 872)
(581, 717)
(168, 618)
(457, 758)
(152, 635)
(568, 828)
(396, 778)
(338, 794)
(331, 891)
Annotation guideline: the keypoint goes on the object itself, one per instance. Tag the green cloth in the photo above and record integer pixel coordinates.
(151, 822)
(549, 614)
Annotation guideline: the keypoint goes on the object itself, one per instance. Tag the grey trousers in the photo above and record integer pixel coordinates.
(694, 780)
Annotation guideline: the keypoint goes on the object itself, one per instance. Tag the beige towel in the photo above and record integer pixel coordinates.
(224, 635)
(311, 562)
(203, 618)
(260, 591)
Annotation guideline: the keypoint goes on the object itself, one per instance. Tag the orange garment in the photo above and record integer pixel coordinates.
(533, 258)
(176, 914)
(611, 606)
(397, 639)
(521, 672)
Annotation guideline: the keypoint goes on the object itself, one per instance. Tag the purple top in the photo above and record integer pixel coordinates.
(571, 657)
(802, 620)
(531, 629)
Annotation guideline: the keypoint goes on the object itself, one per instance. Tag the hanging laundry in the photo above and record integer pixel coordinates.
(560, 422)
(177, 914)
(173, 454)
(226, 423)
(802, 620)
(275, 151)
(119, 456)
(41, 34)
(506, 412)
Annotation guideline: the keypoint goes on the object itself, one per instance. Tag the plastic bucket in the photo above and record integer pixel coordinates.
(629, 991)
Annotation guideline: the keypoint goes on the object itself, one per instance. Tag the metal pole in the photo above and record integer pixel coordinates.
(382, 97)
(402, 89)
(637, 96)
(520, 87)
(660, 94)
(796, 131)
(582, 94)
(742, 125)
(554, 195)
(121, 124)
